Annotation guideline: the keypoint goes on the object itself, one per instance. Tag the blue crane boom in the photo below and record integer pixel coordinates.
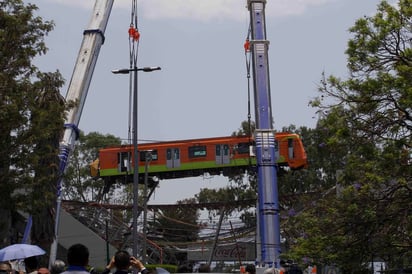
(268, 201)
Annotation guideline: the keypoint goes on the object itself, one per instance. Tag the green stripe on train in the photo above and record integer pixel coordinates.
(183, 167)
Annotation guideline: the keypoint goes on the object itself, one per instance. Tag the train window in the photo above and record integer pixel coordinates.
(243, 148)
(153, 154)
(176, 154)
(291, 153)
(277, 148)
(197, 151)
(172, 154)
(222, 150)
(225, 150)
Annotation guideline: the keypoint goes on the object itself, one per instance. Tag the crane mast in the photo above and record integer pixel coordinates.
(93, 39)
(268, 201)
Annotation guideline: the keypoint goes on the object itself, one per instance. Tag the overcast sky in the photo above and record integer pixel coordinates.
(201, 90)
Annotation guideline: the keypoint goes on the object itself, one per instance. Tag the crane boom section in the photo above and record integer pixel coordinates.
(268, 201)
(260, 68)
(84, 67)
(93, 38)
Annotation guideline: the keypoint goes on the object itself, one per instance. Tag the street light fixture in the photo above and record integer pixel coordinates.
(135, 152)
(126, 71)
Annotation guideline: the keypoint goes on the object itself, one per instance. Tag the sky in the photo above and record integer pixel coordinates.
(202, 89)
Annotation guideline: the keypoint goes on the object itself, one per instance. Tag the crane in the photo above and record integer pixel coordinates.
(268, 201)
(93, 39)
(268, 208)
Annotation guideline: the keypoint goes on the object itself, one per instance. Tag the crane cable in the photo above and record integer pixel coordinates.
(134, 37)
(247, 59)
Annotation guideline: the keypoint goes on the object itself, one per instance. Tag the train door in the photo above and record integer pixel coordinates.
(124, 161)
(222, 154)
(172, 158)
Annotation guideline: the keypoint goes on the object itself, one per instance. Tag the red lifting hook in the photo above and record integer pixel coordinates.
(134, 33)
(247, 45)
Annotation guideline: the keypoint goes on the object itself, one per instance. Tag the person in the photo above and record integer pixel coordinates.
(271, 270)
(31, 264)
(17, 266)
(43, 270)
(57, 267)
(204, 268)
(184, 269)
(294, 269)
(77, 259)
(250, 268)
(283, 267)
(5, 268)
(122, 261)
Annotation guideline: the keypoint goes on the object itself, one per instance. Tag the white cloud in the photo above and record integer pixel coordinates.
(204, 10)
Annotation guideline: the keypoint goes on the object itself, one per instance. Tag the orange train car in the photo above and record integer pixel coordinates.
(187, 158)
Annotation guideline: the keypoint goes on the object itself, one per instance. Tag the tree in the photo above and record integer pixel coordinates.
(45, 130)
(29, 133)
(377, 96)
(79, 185)
(366, 124)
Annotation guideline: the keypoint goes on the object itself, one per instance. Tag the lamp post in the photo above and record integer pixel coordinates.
(135, 152)
(148, 159)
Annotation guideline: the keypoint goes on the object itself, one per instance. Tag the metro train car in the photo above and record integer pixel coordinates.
(187, 158)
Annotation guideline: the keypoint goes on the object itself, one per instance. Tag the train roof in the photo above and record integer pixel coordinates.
(204, 140)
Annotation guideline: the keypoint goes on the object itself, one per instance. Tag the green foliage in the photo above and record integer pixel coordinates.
(246, 128)
(79, 184)
(31, 119)
(45, 131)
(169, 267)
(362, 149)
(377, 96)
